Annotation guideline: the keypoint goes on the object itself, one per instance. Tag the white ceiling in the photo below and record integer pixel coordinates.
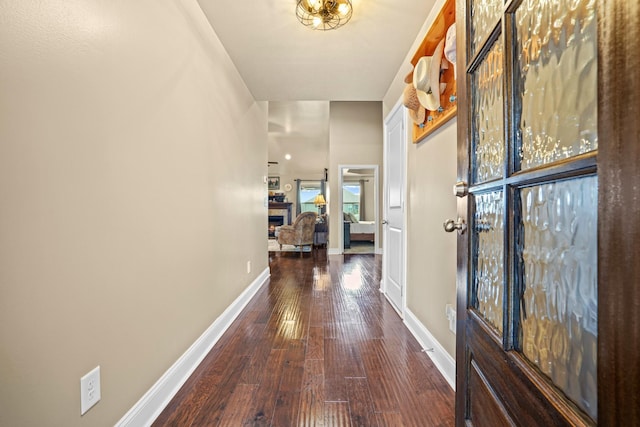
(279, 59)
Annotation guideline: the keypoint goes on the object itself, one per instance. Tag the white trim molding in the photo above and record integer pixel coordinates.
(147, 409)
(443, 360)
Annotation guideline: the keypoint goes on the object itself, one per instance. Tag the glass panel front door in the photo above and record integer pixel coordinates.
(559, 316)
(555, 80)
(532, 90)
(488, 281)
(488, 116)
(484, 15)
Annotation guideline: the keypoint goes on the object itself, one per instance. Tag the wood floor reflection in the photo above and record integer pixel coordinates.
(317, 346)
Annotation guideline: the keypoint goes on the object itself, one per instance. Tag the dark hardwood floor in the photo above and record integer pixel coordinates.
(317, 346)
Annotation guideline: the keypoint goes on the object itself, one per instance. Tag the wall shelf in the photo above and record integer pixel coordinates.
(438, 31)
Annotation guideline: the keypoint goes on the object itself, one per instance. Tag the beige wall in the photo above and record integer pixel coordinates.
(356, 137)
(431, 253)
(131, 164)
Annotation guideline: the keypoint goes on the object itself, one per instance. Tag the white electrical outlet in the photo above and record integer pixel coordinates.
(451, 316)
(89, 390)
(452, 321)
(248, 267)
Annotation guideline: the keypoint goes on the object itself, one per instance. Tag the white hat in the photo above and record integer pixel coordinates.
(450, 47)
(426, 78)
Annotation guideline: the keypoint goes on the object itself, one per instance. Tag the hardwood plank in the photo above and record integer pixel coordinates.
(382, 389)
(210, 411)
(336, 414)
(360, 403)
(429, 390)
(288, 398)
(341, 360)
(263, 406)
(258, 359)
(212, 374)
(389, 419)
(318, 345)
(239, 405)
(316, 317)
(286, 409)
(312, 395)
(315, 343)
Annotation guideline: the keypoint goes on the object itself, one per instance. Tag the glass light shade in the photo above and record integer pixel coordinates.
(324, 14)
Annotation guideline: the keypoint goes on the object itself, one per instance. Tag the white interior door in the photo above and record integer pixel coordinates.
(394, 195)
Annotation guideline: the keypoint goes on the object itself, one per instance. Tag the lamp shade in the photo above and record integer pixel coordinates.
(319, 200)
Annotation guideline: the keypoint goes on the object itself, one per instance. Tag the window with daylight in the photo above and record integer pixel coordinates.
(308, 192)
(351, 198)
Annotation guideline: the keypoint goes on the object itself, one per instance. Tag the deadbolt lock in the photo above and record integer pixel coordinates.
(461, 189)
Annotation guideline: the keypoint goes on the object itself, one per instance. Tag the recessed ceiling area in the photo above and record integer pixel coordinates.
(301, 129)
(357, 173)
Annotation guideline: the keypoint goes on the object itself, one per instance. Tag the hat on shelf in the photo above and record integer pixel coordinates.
(409, 77)
(450, 47)
(410, 100)
(426, 79)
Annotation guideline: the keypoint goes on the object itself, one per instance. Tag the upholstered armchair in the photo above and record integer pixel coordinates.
(300, 233)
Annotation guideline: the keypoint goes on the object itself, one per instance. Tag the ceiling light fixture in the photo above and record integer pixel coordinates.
(324, 14)
(287, 156)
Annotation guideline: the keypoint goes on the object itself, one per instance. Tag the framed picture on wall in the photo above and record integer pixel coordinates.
(273, 182)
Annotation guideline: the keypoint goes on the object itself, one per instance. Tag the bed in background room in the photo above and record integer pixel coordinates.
(359, 230)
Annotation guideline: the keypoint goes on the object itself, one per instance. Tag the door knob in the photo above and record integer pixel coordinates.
(384, 221)
(458, 224)
(461, 189)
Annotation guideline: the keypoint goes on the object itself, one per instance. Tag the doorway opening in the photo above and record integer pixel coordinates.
(358, 199)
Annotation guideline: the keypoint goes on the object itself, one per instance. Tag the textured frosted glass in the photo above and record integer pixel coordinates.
(488, 116)
(557, 62)
(484, 17)
(559, 304)
(489, 256)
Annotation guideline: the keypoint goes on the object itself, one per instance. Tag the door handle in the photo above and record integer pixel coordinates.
(384, 222)
(458, 224)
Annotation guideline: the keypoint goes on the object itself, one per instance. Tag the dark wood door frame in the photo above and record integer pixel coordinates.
(619, 220)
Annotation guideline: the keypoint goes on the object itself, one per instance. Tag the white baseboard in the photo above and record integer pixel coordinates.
(443, 361)
(147, 409)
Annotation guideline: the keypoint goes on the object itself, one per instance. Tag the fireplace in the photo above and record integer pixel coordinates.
(279, 214)
(275, 221)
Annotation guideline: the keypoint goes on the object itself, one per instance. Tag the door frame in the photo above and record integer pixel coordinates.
(399, 106)
(618, 157)
(376, 189)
